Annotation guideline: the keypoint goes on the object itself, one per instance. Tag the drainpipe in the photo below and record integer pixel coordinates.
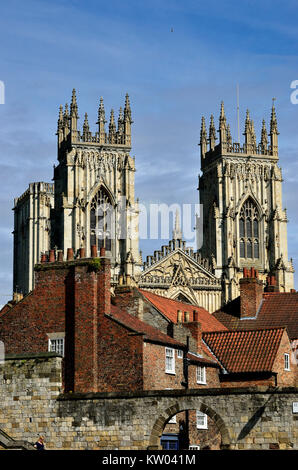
(186, 385)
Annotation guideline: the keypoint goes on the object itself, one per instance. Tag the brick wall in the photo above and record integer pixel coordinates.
(70, 297)
(285, 377)
(155, 377)
(120, 357)
(212, 378)
(251, 294)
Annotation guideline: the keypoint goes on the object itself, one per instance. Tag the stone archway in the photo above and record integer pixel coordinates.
(158, 427)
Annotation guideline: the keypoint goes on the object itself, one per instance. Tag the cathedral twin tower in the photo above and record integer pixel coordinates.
(244, 224)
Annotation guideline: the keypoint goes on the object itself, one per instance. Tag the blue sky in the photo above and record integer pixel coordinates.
(177, 60)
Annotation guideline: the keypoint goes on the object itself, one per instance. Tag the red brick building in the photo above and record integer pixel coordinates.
(137, 340)
(105, 348)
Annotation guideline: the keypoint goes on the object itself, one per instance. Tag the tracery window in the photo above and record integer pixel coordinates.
(101, 211)
(249, 230)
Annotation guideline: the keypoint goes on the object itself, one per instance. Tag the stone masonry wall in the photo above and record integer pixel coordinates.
(31, 405)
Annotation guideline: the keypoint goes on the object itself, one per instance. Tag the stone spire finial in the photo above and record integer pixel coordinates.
(273, 131)
(101, 112)
(248, 133)
(66, 115)
(60, 125)
(273, 121)
(222, 124)
(212, 133)
(101, 122)
(203, 138)
(120, 118)
(120, 131)
(60, 117)
(127, 110)
(177, 233)
(74, 105)
(74, 116)
(127, 121)
(264, 137)
(86, 129)
(247, 122)
(112, 128)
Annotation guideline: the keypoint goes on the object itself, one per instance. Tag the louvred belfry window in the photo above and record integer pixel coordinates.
(249, 230)
(101, 211)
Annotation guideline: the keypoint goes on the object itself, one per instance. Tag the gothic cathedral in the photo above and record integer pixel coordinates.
(244, 224)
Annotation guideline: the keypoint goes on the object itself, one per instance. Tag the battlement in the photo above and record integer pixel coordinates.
(117, 136)
(210, 150)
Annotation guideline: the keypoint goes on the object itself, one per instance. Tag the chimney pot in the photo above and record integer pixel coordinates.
(43, 258)
(93, 251)
(69, 254)
(102, 251)
(52, 256)
(82, 252)
(60, 255)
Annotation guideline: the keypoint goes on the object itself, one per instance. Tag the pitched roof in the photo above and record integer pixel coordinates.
(245, 350)
(278, 309)
(153, 334)
(169, 308)
(138, 326)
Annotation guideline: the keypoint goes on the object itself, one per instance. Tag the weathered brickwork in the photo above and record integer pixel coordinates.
(31, 404)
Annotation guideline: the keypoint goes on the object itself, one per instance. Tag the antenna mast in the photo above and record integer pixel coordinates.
(238, 125)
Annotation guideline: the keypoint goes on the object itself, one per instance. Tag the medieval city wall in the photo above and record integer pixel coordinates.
(32, 405)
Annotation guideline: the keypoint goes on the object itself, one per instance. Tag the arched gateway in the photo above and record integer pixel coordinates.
(178, 407)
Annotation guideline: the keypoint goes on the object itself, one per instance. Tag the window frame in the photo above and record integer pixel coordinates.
(168, 370)
(287, 361)
(55, 338)
(203, 380)
(205, 418)
(180, 353)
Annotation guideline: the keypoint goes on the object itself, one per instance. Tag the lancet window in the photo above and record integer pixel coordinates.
(101, 211)
(249, 230)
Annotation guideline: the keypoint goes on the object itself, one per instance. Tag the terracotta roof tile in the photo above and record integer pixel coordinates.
(169, 308)
(153, 334)
(277, 310)
(245, 350)
(138, 326)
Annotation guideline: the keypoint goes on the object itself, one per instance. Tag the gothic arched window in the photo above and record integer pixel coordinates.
(101, 211)
(249, 230)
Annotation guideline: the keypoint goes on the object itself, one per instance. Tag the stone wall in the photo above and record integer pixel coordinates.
(31, 404)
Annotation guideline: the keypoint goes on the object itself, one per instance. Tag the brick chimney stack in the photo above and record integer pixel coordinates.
(82, 287)
(251, 293)
(271, 284)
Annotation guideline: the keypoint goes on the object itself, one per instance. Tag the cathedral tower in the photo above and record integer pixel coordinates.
(94, 188)
(91, 202)
(244, 222)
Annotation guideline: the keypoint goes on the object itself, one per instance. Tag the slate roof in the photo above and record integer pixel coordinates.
(278, 309)
(169, 308)
(245, 350)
